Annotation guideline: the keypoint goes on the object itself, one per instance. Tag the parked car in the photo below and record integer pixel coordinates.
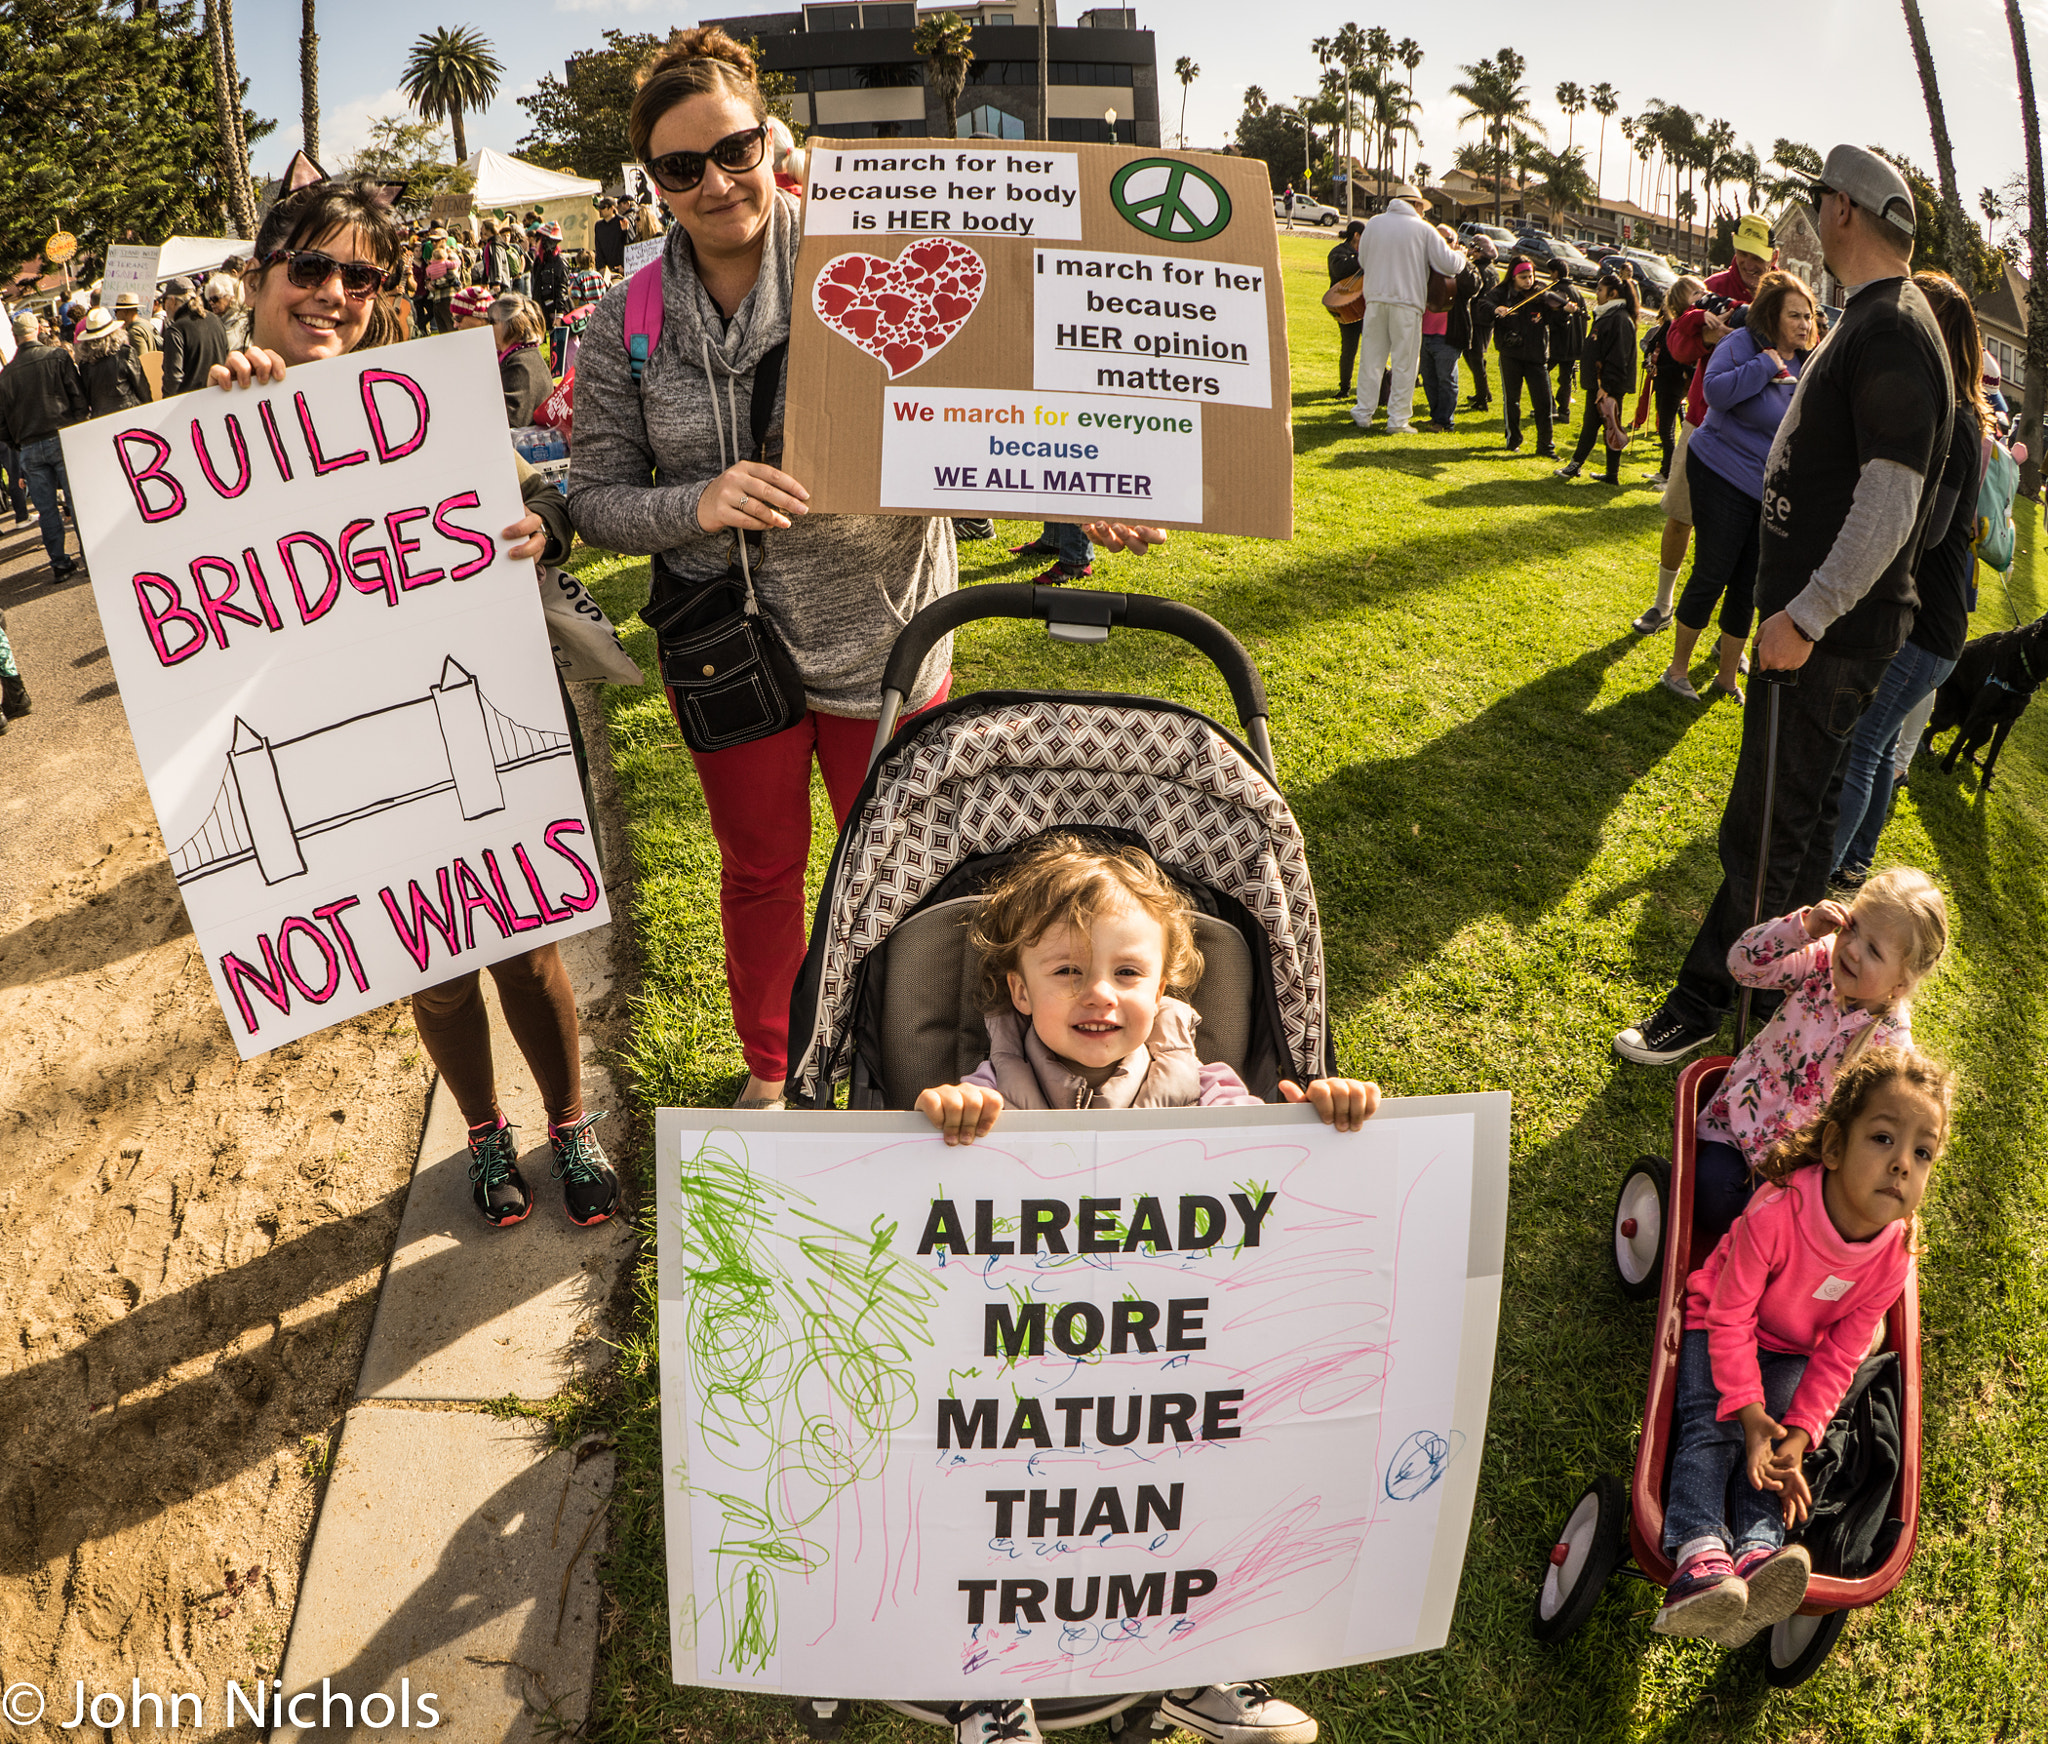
(1540, 246)
(1501, 239)
(1652, 269)
(1307, 211)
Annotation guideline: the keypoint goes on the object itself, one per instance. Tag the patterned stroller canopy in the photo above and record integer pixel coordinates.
(987, 772)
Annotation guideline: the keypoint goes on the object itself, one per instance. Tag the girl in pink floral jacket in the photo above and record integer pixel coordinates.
(1847, 974)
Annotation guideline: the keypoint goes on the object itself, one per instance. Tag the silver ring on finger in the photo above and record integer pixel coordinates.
(744, 501)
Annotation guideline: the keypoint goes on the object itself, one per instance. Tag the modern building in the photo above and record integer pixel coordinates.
(856, 76)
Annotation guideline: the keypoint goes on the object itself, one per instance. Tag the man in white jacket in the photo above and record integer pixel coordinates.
(1397, 252)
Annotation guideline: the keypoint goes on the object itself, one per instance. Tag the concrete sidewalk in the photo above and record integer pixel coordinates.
(455, 1557)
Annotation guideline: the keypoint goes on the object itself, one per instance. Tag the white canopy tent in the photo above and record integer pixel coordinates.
(184, 255)
(505, 182)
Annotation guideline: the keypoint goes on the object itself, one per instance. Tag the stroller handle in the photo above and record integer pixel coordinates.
(1084, 616)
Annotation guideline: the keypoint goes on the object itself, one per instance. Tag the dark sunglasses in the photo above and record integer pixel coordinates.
(677, 172)
(309, 269)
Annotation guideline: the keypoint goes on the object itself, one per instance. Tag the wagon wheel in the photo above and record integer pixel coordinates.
(1587, 1551)
(1641, 1217)
(1794, 1649)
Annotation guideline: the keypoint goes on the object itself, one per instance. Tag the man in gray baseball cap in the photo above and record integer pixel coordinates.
(1847, 495)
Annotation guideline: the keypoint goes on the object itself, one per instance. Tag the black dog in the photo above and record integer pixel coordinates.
(1990, 688)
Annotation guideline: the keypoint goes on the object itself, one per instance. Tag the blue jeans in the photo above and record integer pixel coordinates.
(1867, 781)
(43, 464)
(1071, 544)
(1440, 377)
(1708, 1493)
(1721, 1187)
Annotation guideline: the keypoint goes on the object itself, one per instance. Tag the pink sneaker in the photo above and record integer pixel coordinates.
(1777, 1586)
(1705, 1601)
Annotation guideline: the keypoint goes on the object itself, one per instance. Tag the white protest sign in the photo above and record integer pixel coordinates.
(132, 268)
(340, 688)
(638, 254)
(1061, 457)
(1107, 1403)
(1150, 324)
(6, 334)
(964, 189)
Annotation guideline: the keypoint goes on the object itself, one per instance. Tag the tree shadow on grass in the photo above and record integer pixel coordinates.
(1497, 816)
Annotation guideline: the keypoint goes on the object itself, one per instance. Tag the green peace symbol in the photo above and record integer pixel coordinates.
(1171, 201)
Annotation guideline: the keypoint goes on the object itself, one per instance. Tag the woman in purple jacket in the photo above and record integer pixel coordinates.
(1750, 378)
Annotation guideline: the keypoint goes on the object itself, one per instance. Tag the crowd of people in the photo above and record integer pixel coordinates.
(1879, 437)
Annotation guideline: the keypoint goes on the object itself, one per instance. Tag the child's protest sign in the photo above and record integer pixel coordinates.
(341, 689)
(1099, 1404)
(1040, 331)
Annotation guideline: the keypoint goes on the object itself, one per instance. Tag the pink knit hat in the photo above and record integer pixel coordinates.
(471, 300)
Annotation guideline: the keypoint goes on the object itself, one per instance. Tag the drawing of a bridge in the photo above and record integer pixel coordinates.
(274, 794)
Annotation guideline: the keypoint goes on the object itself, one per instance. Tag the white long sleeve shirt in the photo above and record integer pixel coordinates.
(1398, 251)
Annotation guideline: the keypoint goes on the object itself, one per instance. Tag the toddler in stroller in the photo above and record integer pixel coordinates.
(1776, 1323)
(1846, 973)
(1079, 946)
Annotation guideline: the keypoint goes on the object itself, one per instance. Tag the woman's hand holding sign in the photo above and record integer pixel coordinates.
(752, 497)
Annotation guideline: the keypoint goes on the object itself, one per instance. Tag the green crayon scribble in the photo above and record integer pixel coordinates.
(800, 1337)
(1254, 1191)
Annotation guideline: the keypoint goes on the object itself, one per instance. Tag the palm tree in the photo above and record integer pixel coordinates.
(1604, 102)
(1954, 222)
(1379, 59)
(1496, 99)
(1347, 48)
(1562, 183)
(2037, 257)
(1798, 166)
(1255, 99)
(309, 81)
(450, 71)
(1187, 72)
(1409, 53)
(1628, 168)
(227, 99)
(944, 41)
(1572, 100)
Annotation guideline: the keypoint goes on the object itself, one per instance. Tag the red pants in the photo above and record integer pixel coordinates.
(759, 797)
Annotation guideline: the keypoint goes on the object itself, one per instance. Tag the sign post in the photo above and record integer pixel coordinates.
(340, 687)
(1040, 331)
(1106, 1404)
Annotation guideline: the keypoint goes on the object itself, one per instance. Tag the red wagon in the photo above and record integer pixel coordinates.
(1655, 1251)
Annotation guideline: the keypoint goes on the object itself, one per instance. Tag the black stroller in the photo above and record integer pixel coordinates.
(886, 1000)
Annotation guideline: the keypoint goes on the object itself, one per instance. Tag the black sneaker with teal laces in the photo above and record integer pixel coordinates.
(496, 1184)
(1664, 1038)
(1238, 1713)
(590, 1185)
(994, 1723)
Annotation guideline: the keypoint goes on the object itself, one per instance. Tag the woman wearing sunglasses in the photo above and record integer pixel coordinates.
(327, 262)
(836, 588)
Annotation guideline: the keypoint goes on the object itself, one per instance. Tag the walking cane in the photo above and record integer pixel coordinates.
(1776, 679)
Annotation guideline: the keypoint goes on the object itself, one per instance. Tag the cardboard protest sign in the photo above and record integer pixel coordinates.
(340, 689)
(1040, 331)
(132, 268)
(1105, 1403)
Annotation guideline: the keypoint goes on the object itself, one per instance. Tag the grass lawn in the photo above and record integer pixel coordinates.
(1512, 834)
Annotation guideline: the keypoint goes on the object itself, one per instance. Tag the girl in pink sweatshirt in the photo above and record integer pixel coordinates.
(1776, 1322)
(1846, 973)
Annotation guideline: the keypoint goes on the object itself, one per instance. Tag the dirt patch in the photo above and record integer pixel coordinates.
(192, 1258)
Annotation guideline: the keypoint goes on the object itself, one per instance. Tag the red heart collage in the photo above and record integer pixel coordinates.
(901, 311)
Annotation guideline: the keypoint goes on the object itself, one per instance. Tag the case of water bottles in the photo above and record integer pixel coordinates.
(545, 451)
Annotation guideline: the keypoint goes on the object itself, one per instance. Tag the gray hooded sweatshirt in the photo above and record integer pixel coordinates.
(837, 587)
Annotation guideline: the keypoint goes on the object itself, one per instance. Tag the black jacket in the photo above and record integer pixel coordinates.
(1523, 334)
(608, 243)
(1607, 359)
(1567, 317)
(1343, 262)
(40, 393)
(114, 382)
(1465, 290)
(1479, 310)
(194, 341)
(551, 286)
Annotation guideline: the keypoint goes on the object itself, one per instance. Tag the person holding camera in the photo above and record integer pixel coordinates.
(1521, 334)
(1607, 369)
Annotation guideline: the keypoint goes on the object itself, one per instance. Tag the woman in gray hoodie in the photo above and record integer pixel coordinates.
(665, 467)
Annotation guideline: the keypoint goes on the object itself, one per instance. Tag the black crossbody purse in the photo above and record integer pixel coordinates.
(728, 673)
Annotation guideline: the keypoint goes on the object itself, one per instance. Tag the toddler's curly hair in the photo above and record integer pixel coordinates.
(1063, 880)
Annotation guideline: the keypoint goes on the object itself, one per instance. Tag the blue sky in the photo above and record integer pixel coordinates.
(1843, 70)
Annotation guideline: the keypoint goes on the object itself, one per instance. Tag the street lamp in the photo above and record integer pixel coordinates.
(1109, 121)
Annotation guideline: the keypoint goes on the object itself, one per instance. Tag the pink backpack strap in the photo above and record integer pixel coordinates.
(643, 317)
